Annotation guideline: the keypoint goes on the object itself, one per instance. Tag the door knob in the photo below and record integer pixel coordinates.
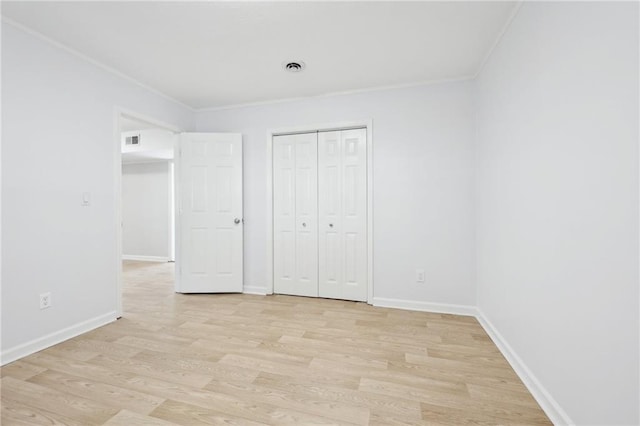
(331, 225)
(304, 224)
(236, 221)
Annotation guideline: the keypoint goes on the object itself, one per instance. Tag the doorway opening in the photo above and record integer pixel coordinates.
(145, 199)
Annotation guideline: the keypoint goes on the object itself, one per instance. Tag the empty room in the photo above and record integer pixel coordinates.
(348, 213)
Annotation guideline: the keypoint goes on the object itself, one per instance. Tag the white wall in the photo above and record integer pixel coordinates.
(146, 211)
(558, 203)
(58, 141)
(423, 157)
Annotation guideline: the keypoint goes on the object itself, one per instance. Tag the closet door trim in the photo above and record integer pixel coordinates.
(364, 124)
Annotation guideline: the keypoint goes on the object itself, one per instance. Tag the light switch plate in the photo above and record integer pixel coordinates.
(45, 300)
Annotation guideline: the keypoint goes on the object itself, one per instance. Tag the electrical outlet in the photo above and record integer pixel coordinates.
(419, 275)
(45, 300)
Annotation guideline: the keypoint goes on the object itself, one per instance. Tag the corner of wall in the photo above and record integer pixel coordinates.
(550, 406)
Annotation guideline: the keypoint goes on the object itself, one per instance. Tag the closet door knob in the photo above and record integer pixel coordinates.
(236, 221)
(304, 224)
(331, 225)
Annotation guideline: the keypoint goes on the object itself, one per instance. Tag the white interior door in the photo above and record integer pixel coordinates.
(209, 197)
(342, 219)
(295, 214)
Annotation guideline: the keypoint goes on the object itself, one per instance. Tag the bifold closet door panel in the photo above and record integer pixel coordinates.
(330, 246)
(342, 218)
(306, 150)
(295, 217)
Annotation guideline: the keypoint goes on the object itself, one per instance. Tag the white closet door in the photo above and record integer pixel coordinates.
(209, 188)
(342, 183)
(295, 214)
(330, 214)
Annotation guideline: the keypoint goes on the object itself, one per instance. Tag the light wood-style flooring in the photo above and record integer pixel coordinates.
(247, 360)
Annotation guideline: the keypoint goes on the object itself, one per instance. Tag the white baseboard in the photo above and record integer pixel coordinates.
(250, 289)
(145, 258)
(54, 338)
(440, 308)
(550, 406)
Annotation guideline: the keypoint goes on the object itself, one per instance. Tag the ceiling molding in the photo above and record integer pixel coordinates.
(495, 44)
(341, 93)
(143, 118)
(64, 47)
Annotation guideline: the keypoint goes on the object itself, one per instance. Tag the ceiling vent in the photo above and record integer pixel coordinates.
(294, 66)
(132, 140)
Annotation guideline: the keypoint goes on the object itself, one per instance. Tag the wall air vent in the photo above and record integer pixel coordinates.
(294, 66)
(132, 140)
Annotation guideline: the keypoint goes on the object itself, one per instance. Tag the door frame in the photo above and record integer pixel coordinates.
(118, 114)
(359, 124)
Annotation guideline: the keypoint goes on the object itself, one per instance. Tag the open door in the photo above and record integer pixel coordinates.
(209, 213)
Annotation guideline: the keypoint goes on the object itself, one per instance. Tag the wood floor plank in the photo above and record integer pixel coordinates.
(229, 404)
(151, 369)
(67, 350)
(320, 376)
(301, 386)
(286, 399)
(82, 409)
(467, 416)
(419, 362)
(377, 356)
(383, 418)
(18, 414)
(191, 415)
(434, 390)
(115, 396)
(83, 369)
(176, 359)
(130, 418)
(156, 342)
(284, 416)
(250, 329)
(407, 373)
(207, 369)
(20, 370)
(490, 393)
(311, 349)
(445, 398)
(97, 346)
(483, 414)
(362, 341)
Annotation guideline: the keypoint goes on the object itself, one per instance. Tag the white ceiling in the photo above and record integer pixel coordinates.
(214, 54)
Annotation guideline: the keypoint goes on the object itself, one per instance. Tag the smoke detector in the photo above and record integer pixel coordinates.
(294, 66)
